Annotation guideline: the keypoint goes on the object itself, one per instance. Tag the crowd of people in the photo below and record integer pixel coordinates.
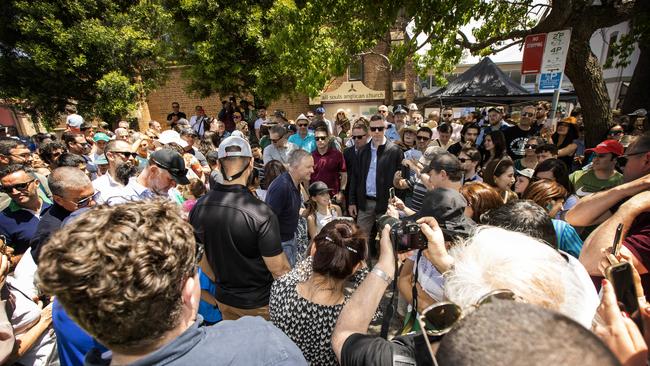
(253, 239)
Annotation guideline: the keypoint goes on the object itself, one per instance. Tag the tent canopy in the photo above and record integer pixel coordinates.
(485, 84)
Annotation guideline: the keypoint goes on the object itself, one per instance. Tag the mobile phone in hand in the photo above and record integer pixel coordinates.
(616, 246)
(391, 193)
(622, 278)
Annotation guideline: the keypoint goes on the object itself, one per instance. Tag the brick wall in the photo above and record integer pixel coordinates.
(174, 89)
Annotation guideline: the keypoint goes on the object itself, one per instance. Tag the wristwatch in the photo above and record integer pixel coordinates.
(381, 274)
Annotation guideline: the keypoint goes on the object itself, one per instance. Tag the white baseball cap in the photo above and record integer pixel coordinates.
(413, 107)
(244, 147)
(169, 136)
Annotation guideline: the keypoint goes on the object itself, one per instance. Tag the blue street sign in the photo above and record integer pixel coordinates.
(550, 80)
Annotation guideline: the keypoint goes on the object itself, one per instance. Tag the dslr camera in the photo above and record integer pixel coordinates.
(404, 234)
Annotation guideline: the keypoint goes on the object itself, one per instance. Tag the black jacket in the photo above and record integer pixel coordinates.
(350, 155)
(389, 160)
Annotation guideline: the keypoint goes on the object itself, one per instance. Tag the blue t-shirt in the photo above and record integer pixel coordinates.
(210, 313)
(308, 143)
(568, 239)
(72, 342)
(284, 198)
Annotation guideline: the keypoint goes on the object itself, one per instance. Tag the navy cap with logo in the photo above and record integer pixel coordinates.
(172, 162)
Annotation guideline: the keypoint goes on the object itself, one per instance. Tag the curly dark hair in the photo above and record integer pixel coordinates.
(119, 271)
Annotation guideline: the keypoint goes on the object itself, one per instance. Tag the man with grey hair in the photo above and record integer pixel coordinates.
(121, 167)
(71, 190)
(284, 198)
(280, 148)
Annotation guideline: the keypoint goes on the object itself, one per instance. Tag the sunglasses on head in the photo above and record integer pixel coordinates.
(358, 137)
(19, 187)
(375, 129)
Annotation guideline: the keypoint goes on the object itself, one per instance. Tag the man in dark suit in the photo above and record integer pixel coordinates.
(350, 154)
(372, 176)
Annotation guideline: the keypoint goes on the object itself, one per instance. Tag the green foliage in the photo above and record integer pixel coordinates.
(102, 54)
(622, 49)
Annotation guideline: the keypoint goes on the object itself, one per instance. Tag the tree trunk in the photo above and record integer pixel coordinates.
(586, 75)
(637, 92)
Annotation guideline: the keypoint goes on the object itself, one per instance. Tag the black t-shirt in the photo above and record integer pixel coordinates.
(237, 230)
(362, 349)
(516, 138)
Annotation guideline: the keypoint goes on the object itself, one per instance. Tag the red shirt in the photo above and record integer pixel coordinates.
(327, 168)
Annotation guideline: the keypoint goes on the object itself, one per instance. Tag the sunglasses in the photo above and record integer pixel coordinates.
(447, 115)
(463, 160)
(84, 202)
(423, 138)
(303, 124)
(383, 111)
(439, 318)
(375, 129)
(526, 114)
(320, 138)
(623, 159)
(358, 137)
(530, 146)
(22, 187)
(275, 141)
(616, 132)
(125, 154)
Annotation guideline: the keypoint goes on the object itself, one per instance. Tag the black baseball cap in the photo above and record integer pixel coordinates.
(172, 162)
(317, 188)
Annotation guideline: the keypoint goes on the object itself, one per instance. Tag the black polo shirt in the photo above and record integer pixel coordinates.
(237, 230)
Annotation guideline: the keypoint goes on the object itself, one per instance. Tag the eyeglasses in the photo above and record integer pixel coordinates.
(358, 137)
(320, 138)
(530, 146)
(22, 187)
(303, 124)
(423, 138)
(528, 114)
(375, 129)
(84, 202)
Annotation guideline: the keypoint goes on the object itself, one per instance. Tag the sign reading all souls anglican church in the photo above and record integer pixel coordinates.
(351, 91)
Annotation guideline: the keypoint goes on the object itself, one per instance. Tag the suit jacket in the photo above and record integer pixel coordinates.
(350, 155)
(389, 160)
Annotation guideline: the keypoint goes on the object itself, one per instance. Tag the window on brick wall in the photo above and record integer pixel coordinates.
(355, 69)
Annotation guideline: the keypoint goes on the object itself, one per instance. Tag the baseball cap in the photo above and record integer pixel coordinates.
(641, 112)
(74, 120)
(169, 136)
(399, 109)
(235, 141)
(608, 146)
(100, 136)
(317, 188)
(447, 206)
(429, 153)
(172, 162)
(188, 132)
(413, 107)
(527, 172)
(320, 110)
(280, 113)
(101, 159)
(382, 108)
(85, 126)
